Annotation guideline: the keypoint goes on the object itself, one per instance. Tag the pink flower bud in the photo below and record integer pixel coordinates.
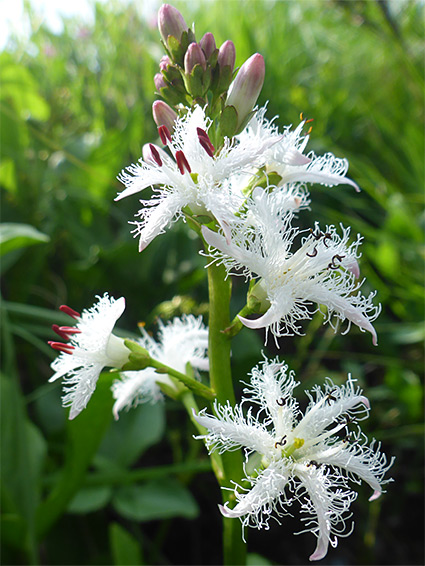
(170, 22)
(164, 63)
(159, 81)
(194, 56)
(227, 54)
(163, 115)
(207, 44)
(244, 90)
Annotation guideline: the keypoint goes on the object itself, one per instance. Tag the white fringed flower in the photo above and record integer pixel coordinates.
(308, 458)
(180, 342)
(323, 270)
(286, 156)
(194, 175)
(90, 347)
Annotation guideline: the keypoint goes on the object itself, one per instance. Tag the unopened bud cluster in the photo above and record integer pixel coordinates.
(200, 73)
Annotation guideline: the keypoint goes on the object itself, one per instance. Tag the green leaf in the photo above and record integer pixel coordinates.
(13, 529)
(20, 89)
(85, 433)
(21, 469)
(155, 500)
(254, 559)
(90, 499)
(15, 236)
(134, 432)
(8, 175)
(125, 549)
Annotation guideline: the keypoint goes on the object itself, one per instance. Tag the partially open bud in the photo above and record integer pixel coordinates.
(159, 82)
(170, 22)
(197, 74)
(164, 63)
(227, 55)
(194, 56)
(207, 44)
(163, 115)
(244, 90)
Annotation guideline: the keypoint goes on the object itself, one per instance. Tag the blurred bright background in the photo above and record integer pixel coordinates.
(75, 100)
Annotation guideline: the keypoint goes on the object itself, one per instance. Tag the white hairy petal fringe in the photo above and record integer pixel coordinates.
(231, 430)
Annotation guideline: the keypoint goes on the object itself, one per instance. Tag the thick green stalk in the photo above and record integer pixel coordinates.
(234, 549)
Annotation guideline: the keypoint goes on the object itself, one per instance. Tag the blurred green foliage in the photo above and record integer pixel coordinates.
(76, 109)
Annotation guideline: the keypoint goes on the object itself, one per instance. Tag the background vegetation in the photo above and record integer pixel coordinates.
(76, 109)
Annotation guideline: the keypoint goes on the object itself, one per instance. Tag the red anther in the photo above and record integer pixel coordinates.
(155, 155)
(164, 134)
(209, 148)
(60, 332)
(67, 310)
(182, 162)
(69, 330)
(309, 120)
(66, 348)
(205, 141)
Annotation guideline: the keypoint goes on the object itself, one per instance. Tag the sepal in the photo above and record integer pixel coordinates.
(263, 180)
(139, 357)
(228, 121)
(197, 82)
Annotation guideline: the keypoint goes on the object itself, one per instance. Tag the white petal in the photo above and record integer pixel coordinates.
(231, 430)
(272, 316)
(367, 463)
(157, 218)
(133, 388)
(184, 340)
(227, 247)
(320, 496)
(321, 177)
(271, 386)
(79, 388)
(295, 157)
(259, 502)
(141, 177)
(346, 308)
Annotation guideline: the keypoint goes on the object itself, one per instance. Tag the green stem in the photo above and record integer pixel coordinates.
(219, 288)
(189, 402)
(236, 325)
(196, 386)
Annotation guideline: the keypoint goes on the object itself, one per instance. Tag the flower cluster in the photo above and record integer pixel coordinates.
(180, 342)
(91, 346)
(243, 192)
(242, 185)
(307, 458)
